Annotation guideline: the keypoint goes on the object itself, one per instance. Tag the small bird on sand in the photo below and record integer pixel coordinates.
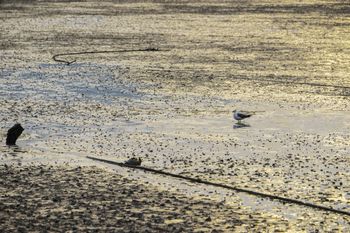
(133, 162)
(240, 115)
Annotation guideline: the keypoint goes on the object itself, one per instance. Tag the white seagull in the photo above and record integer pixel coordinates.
(240, 115)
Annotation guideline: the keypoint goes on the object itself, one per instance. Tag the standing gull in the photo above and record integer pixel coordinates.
(240, 115)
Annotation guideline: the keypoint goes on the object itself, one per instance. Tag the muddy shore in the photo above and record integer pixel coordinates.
(287, 61)
(90, 199)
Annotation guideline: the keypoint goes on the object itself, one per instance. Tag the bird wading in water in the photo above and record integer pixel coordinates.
(240, 115)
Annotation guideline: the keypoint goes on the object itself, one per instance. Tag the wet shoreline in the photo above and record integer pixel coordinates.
(173, 108)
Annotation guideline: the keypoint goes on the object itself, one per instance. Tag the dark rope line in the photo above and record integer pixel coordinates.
(292, 83)
(55, 57)
(267, 80)
(255, 193)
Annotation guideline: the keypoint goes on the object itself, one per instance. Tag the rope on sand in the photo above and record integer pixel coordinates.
(255, 193)
(55, 57)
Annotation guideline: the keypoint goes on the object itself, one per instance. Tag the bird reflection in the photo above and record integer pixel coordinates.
(240, 125)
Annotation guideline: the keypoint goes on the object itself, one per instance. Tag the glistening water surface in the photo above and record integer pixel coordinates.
(287, 61)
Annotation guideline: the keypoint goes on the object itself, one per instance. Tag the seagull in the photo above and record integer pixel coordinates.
(238, 115)
(133, 162)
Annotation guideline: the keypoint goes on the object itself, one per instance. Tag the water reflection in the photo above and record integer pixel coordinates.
(240, 125)
(11, 152)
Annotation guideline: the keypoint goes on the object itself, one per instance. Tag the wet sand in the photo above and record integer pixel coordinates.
(288, 61)
(90, 199)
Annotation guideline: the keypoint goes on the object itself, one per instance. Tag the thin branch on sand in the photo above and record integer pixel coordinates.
(255, 193)
(55, 57)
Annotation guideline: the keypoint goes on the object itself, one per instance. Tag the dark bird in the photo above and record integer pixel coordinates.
(13, 133)
(133, 162)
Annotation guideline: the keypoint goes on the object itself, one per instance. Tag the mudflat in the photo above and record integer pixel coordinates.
(47, 198)
(159, 80)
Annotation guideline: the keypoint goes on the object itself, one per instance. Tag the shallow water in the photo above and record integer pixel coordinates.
(173, 108)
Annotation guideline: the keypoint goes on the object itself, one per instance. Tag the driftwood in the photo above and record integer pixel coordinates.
(13, 133)
(251, 192)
